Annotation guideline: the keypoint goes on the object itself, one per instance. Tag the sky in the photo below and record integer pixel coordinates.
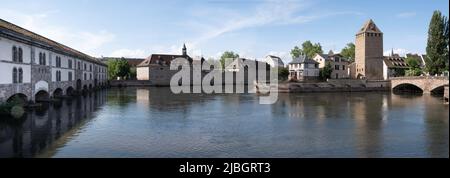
(252, 28)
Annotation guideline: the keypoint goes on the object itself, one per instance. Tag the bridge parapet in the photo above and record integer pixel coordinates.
(427, 84)
(420, 77)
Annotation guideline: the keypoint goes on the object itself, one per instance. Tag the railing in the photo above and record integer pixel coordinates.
(419, 77)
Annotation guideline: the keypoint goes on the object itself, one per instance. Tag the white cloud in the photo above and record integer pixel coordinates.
(269, 12)
(406, 15)
(130, 53)
(84, 41)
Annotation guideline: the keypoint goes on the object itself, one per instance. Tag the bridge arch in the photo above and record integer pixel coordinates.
(407, 88)
(18, 98)
(70, 91)
(58, 93)
(41, 96)
(438, 90)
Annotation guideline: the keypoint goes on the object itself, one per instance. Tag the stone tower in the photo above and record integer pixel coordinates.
(369, 52)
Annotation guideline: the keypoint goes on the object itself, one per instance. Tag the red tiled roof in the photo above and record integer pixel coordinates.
(163, 59)
(395, 62)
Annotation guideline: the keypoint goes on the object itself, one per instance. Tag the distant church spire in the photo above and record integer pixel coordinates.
(392, 52)
(184, 50)
(330, 52)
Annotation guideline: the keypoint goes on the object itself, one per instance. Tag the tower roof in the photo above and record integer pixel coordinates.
(370, 26)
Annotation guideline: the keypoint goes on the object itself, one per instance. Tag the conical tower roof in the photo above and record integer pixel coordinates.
(370, 27)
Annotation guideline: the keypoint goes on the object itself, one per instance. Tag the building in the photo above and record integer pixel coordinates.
(34, 67)
(156, 68)
(339, 64)
(303, 69)
(369, 53)
(241, 64)
(274, 61)
(394, 66)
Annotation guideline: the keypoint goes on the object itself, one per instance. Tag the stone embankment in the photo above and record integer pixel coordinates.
(341, 85)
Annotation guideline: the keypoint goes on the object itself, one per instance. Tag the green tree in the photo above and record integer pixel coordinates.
(414, 66)
(227, 57)
(296, 52)
(437, 46)
(308, 48)
(349, 52)
(283, 73)
(326, 71)
(133, 73)
(118, 68)
(447, 38)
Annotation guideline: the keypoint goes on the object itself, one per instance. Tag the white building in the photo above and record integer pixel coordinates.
(33, 66)
(274, 61)
(339, 64)
(303, 69)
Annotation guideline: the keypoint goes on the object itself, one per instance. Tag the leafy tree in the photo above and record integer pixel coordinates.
(133, 73)
(414, 66)
(308, 48)
(118, 68)
(326, 71)
(437, 46)
(296, 52)
(349, 52)
(283, 73)
(227, 57)
(447, 36)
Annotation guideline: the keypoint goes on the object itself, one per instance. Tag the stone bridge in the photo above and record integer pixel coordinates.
(427, 84)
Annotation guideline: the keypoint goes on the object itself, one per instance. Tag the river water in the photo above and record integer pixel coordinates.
(153, 122)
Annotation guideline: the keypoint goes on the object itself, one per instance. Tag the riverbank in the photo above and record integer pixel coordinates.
(341, 85)
(332, 85)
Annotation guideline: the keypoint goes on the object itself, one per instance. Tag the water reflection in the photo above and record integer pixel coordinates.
(41, 127)
(154, 122)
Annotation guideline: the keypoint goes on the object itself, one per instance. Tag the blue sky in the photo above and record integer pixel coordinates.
(253, 28)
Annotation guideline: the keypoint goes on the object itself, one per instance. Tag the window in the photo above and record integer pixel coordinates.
(90, 68)
(43, 59)
(69, 63)
(58, 61)
(20, 55)
(336, 67)
(14, 54)
(70, 76)
(336, 59)
(58, 76)
(20, 75)
(79, 65)
(90, 76)
(85, 76)
(85, 67)
(14, 75)
(343, 67)
(40, 58)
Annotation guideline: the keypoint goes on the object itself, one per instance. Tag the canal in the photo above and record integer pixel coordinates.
(153, 122)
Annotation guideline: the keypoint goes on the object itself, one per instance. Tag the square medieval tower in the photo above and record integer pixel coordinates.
(369, 52)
